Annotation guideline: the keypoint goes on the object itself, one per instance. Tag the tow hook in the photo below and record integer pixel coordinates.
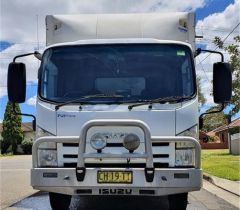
(149, 174)
(80, 173)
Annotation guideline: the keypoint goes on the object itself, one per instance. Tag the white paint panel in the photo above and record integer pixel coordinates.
(46, 117)
(160, 122)
(162, 26)
(187, 116)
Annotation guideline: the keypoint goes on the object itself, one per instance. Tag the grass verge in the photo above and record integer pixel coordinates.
(221, 164)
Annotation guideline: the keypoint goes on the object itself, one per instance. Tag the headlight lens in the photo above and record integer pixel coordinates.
(98, 141)
(185, 151)
(192, 132)
(184, 157)
(184, 154)
(47, 154)
(47, 158)
(131, 142)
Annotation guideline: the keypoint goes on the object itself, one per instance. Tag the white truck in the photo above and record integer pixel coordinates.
(117, 107)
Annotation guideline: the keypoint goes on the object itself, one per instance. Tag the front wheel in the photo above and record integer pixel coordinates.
(178, 201)
(59, 201)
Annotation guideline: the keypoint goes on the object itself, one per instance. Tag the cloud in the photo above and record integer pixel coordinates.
(32, 101)
(32, 64)
(216, 24)
(3, 92)
(19, 22)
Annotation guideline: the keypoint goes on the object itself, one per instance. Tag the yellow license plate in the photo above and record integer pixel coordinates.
(116, 177)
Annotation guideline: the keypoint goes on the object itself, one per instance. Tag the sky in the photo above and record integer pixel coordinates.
(22, 30)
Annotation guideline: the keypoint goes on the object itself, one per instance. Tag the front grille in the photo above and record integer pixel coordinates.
(116, 165)
(163, 156)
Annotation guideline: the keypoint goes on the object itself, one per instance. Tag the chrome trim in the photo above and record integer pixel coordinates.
(134, 123)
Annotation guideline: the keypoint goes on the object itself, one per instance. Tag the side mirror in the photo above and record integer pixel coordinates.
(222, 82)
(16, 82)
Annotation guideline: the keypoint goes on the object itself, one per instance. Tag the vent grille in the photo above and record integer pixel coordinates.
(163, 155)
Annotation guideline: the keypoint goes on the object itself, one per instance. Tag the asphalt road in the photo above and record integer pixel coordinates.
(17, 194)
(14, 179)
(202, 200)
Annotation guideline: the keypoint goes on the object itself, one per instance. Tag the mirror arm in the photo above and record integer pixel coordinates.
(36, 54)
(205, 113)
(27, 115)
(199, 50)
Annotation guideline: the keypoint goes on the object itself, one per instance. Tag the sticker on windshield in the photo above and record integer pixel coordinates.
(180, 53)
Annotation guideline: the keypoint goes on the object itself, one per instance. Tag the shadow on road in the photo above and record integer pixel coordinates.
(119, 203)
(40, 201)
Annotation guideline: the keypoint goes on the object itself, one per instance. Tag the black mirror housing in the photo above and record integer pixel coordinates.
(200, 123)
(16, 82)
(222, 82)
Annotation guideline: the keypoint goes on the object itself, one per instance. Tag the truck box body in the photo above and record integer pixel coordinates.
(164, 26)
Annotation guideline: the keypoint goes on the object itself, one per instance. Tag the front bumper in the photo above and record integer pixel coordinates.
(146, 181)
(166, 181)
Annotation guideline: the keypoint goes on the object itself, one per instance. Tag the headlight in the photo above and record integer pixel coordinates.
(185, 151)
(185, 157)
(98, 141)
(47, 154)
(47, 158)
(192, 132)
(184, 154)
(131, 142)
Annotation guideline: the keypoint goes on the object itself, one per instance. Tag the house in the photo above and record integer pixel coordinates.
(223, 132)
(222, 135)
(27, 130)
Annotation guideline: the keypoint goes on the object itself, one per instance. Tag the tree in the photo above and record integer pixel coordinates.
(201, 98)
(12, 133)
(234, 52)
(212, 121)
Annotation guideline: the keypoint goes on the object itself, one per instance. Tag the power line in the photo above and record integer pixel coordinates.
(211, 29)
(222, 41)
(202, 68)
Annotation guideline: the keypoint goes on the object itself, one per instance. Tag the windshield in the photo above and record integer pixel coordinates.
(136, 72)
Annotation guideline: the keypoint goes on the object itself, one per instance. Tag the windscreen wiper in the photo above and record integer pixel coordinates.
(88, 97)
(159, 100)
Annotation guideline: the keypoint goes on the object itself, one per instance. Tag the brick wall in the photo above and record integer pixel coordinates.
(221, 145)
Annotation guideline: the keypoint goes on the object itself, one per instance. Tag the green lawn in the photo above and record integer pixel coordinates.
(6, 155)
(221, 164)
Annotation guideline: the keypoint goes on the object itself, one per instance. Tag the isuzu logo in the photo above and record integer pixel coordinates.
(115, 191)
(119, 136)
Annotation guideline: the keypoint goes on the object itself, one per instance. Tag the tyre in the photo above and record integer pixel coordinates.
(178, 201)
(59, 201)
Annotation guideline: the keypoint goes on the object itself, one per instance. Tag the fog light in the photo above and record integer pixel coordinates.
(98, 141)
(131, 142)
